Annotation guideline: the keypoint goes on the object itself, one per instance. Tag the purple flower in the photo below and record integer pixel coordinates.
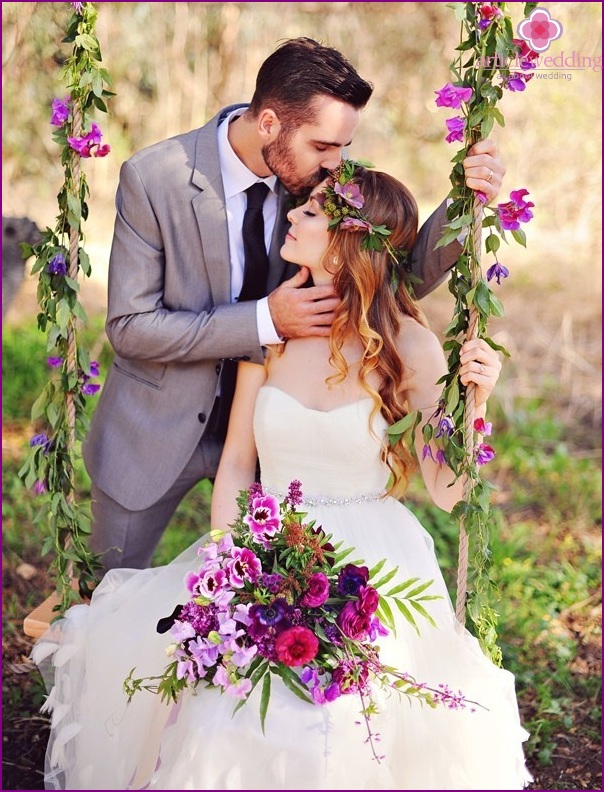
(39, 440)
(262, 617)
(39, 487)
(482, 197)
(317, 591)
(427, 452)
(483, 454)
(497, 271)
(89, 389)
(516, 82)
(60, 111)
(332, 692)
(78, 7)
(355, 224)
(351, 193)
(376, 628)
(203, 618)
(452, 95)
(294, 493)
(57, 265)
(351, 578)
(456, 127)
(441, 457)
(94, 369)
(271, 582)
(446, 427)
(55, 362)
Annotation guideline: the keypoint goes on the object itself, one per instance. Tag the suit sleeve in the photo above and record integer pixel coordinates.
(432, 266)
(139, 324)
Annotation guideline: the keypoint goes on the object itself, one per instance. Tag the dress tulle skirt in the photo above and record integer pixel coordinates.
(99, 741)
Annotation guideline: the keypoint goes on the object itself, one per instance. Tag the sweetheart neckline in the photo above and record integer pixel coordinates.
(313, 409)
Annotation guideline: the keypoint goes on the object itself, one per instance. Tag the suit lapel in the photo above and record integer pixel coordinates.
(277, 266)
(210, 211)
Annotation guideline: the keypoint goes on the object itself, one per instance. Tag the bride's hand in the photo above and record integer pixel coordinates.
(480, 364)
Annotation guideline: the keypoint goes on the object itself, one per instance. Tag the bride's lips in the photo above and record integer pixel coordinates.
(290, 236)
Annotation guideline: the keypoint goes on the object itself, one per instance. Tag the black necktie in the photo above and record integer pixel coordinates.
(255, 273)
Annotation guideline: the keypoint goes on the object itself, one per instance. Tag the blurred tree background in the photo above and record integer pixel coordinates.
(174, 65)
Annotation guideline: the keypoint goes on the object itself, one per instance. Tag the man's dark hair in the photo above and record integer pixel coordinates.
(301, 69)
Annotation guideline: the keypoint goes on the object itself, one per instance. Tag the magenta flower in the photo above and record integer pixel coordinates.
(351, 193)
(243, 566)
(515, 211)
(60, 111)
(39, 487)
(452, 95)
(294, 493)
(526, 55)
(212, 583)
(482, 197)
(89, 145)
(351, 578)
(296, 646)
(482, 427)
(377, 628)
(369, 600)
(78, 7)
(488, 13)
(353, 622)
(264, 519)
(456, 127)
(497, 271)
(483, 454)
(317, 591)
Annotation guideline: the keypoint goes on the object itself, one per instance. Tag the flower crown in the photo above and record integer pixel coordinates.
(342, 201)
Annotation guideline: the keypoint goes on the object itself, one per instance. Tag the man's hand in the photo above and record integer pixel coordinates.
(297, 312)
(484, 168)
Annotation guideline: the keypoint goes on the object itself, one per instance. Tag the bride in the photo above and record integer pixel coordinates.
(317, 411)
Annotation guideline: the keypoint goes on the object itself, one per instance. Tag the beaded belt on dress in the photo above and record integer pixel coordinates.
(366, 498)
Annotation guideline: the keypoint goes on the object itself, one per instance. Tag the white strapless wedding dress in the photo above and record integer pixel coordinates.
(99, 742)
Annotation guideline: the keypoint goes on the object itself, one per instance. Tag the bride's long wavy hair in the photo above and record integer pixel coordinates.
(373, 305)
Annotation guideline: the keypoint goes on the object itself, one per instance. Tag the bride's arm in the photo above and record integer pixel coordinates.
(425, 364)
(237, 468)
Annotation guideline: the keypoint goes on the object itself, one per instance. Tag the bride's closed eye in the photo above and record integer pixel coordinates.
(308, 213)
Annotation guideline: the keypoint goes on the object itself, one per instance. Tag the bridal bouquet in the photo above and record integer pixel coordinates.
(275, 597)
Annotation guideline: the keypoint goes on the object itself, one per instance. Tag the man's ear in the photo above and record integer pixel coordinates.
(269, 125)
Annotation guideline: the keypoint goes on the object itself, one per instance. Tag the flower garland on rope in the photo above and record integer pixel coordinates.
(495, 61)
(59, 258)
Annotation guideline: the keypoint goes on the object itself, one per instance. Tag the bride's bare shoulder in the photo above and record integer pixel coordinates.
(417, 343)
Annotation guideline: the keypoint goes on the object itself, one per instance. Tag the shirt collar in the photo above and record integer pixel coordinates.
(236, 177)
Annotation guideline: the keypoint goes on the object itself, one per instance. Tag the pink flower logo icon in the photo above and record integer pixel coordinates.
(539, 30)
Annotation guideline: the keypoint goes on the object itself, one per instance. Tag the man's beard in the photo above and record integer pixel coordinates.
(281, 160)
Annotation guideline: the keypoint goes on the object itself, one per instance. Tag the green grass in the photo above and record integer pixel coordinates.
(546, 551)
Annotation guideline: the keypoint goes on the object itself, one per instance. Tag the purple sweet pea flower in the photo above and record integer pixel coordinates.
(351, 193)
(94, 369)
(482, 197)
(515, 82)
(377, 628)
(452, 96)
(39, 487)
(60, 111)
(515, 211)
(446, 427)
(497, 271)
(39, 440)
(427, 452)
(57, 265)
(483, 428)
(89, 145)
(441, 459)
(484, 453)
(89, 389)
(78, 7)
(55, 362)
(456, 127)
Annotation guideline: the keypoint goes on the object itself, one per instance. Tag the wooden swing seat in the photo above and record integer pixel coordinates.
(38, 620)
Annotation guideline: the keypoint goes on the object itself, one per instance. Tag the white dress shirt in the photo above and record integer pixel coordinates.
(236, 178)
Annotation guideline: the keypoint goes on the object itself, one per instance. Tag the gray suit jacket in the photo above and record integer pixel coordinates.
(170, 320)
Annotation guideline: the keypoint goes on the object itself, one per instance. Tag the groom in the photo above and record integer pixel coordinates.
(177, 315)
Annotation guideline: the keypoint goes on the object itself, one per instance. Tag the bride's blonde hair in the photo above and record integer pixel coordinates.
(373, 303)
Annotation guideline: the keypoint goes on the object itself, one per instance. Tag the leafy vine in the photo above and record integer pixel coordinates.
(489, 61)
(49, 468)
